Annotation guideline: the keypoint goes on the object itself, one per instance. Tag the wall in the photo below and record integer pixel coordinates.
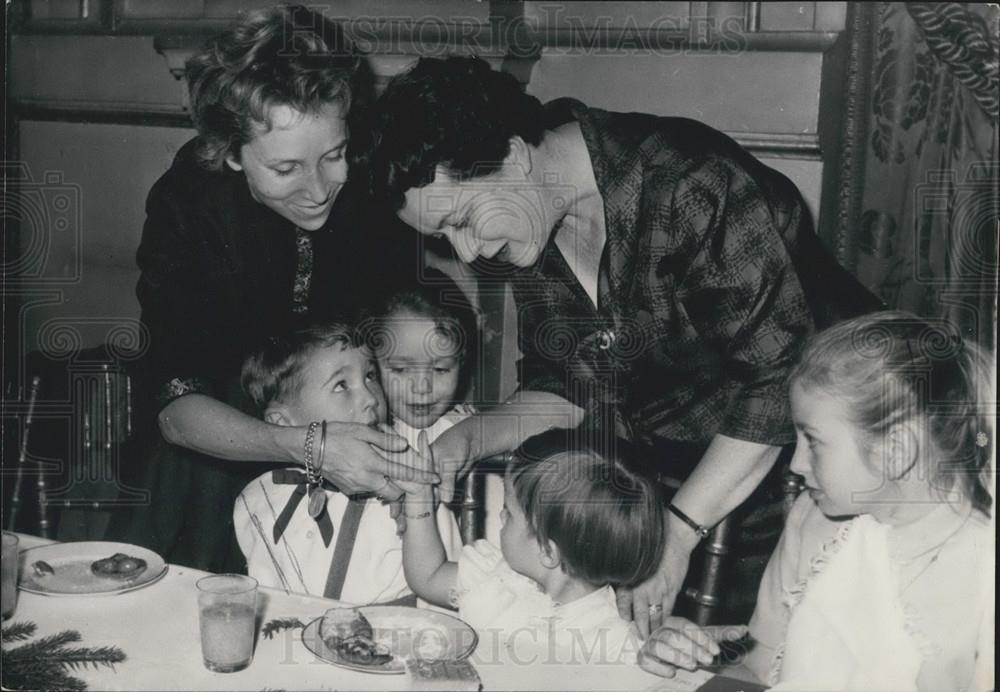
(94, 260)
(100, 117)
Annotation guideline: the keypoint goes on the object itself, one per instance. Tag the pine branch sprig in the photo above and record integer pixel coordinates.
(44, 664)
(44, 646)
(106, 656)
(17, 632)
(278, 624)
(39, 675)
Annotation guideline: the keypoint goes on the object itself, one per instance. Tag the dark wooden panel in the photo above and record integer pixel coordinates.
(61, 16)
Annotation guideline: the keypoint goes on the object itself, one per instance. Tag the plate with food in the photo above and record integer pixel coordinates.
(380, 639)
(94, 568)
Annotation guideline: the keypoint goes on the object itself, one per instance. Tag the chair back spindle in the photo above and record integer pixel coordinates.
(472, 508)
(22, 458)
(80, 451)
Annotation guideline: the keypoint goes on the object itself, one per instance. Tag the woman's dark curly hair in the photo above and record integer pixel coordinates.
(456, 112)
(286, 55)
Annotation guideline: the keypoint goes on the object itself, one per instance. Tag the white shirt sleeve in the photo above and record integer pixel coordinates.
(476, 563)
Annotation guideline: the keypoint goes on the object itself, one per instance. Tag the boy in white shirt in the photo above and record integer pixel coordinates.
(350, 549)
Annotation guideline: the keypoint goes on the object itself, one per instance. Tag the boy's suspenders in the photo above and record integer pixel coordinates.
(341, 560)
(342, 555)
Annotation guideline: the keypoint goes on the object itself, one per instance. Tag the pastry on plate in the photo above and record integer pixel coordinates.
(347, 632)
(42, 569)
(119, 566)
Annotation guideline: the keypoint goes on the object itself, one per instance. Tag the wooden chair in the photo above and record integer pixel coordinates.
(12, 509)
(76, 442)
(472, 505)
(711, 579)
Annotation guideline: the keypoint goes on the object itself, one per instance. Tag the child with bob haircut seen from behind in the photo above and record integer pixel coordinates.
(884, 576)
(577, 521)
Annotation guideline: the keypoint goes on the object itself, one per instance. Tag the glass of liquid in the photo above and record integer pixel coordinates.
(227, 612)
(8, 589)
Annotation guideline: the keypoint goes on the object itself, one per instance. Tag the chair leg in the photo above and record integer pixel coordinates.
(707, 596)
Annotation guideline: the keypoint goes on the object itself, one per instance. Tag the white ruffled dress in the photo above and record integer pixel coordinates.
(517, 622)
(859, 605)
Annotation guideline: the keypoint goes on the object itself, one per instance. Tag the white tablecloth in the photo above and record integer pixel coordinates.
(157, 628)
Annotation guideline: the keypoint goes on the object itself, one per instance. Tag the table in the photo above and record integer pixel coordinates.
(157, 628)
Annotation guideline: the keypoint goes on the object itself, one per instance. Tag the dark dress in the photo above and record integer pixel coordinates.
(220, 272)
(709, 284)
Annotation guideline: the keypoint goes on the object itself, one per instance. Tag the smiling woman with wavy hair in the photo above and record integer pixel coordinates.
(253, 231)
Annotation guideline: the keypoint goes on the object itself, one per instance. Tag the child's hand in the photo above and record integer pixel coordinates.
(419, 497)
(679, 643)
(420, 493)
(396, 512)
(407, 465)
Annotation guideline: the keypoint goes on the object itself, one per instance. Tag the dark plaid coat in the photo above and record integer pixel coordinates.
(701, 311)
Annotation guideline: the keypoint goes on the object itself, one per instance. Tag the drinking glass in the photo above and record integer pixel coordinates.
(9, 566)
(227, 611)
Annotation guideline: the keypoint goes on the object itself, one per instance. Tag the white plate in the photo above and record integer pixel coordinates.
(71, 564)
(402, 630)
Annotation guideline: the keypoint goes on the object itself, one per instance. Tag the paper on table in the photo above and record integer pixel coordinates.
(683, 681)
(581, 678)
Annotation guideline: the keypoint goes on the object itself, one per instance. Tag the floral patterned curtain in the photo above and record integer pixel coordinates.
(919, 169)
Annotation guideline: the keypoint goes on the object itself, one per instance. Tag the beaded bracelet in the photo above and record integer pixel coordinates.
(322, 452)
(307, 448)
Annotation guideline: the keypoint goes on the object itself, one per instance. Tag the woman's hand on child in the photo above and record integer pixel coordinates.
(451, 456)
(653, 599)
(408, 464)
(680, 643)
(360, 459)
(413, 492)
